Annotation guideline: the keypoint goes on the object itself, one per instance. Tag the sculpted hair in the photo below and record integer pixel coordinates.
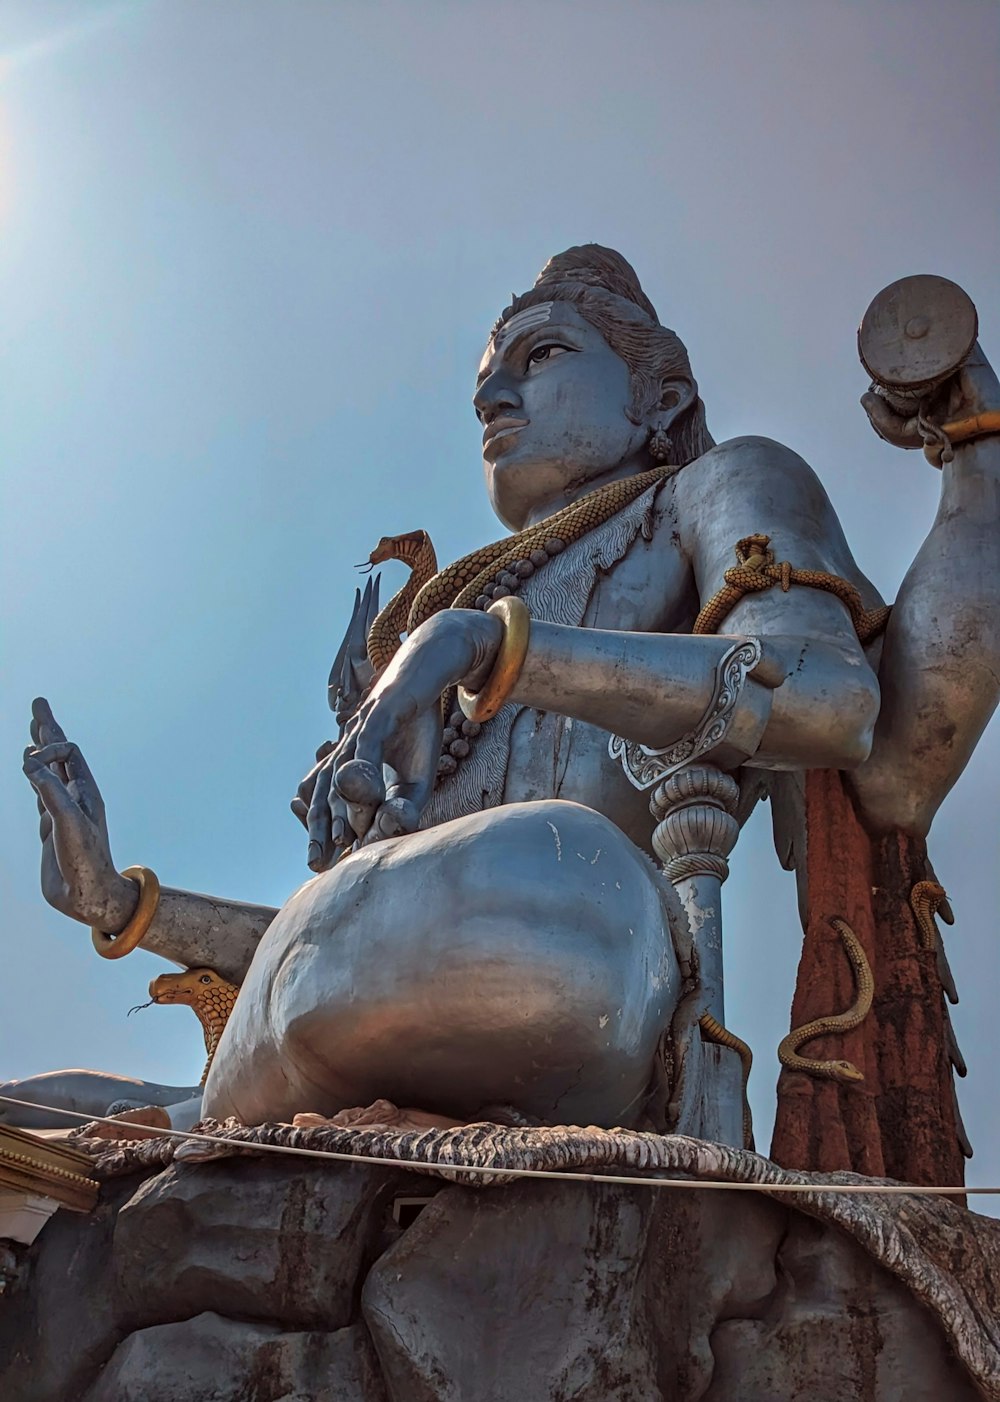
(603, 287)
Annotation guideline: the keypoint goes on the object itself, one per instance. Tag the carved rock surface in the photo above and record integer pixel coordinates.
(838, 1326)
(57, 1322)
(257, 1281)
(473, 1302)
(546, 1293)
(281, 1243)
(211, 1359)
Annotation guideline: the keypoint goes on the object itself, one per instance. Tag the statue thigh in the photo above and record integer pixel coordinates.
(522, 956)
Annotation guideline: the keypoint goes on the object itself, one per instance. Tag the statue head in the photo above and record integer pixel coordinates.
(576, 379)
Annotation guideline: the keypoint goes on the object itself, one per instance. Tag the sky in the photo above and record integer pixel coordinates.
(249, 257)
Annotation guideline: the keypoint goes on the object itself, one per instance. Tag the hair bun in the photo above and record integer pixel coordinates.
(593, 265)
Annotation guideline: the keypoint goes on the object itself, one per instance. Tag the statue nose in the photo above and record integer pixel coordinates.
(495, 394)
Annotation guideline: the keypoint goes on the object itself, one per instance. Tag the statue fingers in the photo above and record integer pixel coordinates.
(413, 755)
(83, 785)
(396, 817)
(359, 783)
(341, 833)
(49, 787)
(304, 792)
(318, 822)
(894, 428)
(75, 856)
(60, 758)
(45, 729)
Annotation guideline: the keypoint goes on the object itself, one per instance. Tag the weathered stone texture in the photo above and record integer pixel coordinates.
(211, 1359)
(250, 1281)
(247, 1238)
(58, 1323)
(837, 1327)
(535, 1294)
(622, 1295)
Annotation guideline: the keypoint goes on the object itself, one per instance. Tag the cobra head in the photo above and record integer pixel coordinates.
(184, 988)
(396, 547)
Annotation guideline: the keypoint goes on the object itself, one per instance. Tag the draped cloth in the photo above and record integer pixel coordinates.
(901, 1121)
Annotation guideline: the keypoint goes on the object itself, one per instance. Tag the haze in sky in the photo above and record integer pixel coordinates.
(249, 256)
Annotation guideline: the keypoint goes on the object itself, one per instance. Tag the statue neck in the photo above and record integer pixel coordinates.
(573, 493)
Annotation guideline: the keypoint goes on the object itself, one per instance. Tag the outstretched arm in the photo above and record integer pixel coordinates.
(80, 879)
(815, 692)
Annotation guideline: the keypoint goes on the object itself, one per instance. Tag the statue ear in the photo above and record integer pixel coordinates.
(676, 396)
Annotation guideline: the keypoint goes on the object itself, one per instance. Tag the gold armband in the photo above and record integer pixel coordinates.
(484, 704)
(117, 946)
(975, 426)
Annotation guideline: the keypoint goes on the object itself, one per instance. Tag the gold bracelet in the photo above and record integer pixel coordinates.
(976, 426)
(117, 946)
(483, 704)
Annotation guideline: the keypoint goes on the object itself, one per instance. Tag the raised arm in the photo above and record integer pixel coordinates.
(940, 668)
(80, 879)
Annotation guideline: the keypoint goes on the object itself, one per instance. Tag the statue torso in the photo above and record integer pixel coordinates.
(651, 589)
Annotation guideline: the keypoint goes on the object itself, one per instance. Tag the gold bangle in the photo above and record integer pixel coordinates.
(117, 946)
(483, 704)
(975, 426)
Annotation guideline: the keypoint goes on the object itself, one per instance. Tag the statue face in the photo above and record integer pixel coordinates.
(551, 397)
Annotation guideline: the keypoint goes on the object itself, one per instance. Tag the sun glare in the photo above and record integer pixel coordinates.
(35, 50)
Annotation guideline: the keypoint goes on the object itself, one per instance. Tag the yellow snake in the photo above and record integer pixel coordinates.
(211, 997)
(926, 900)
(756, 570)
(713, 1031)
(461, 584)
(414, 549)
(842, 1022)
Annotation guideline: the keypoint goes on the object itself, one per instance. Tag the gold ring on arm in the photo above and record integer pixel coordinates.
(484, 704)
(117, 946)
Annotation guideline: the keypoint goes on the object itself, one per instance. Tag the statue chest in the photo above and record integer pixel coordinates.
(628, 575)
(650, 589)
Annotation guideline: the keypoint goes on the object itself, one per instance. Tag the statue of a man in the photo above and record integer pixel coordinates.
(499, 934)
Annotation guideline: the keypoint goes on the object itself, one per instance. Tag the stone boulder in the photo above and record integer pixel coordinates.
(256, 1280)
(283, 1243)
(552, 1292)
(211, 1359)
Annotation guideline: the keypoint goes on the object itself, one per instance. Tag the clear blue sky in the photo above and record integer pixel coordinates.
(249, 255)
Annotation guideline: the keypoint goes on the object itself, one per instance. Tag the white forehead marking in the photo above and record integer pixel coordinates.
(525, 321)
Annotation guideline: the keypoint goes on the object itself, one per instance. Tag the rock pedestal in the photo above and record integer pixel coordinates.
(251, 1281)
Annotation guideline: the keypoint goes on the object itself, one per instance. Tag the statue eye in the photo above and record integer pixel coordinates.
(548, 351)
(205, 978)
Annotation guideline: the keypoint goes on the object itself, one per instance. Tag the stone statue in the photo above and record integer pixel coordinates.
(675, 628)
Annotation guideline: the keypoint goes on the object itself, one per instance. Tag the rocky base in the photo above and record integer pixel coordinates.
(253, 1281)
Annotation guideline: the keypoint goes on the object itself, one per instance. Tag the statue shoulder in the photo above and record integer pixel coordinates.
(749, 469)
(757, 486)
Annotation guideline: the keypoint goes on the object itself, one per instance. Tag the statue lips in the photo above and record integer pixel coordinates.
(497, 431)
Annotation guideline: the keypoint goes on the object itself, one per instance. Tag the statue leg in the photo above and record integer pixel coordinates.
(86, 1092)
(523, 956)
